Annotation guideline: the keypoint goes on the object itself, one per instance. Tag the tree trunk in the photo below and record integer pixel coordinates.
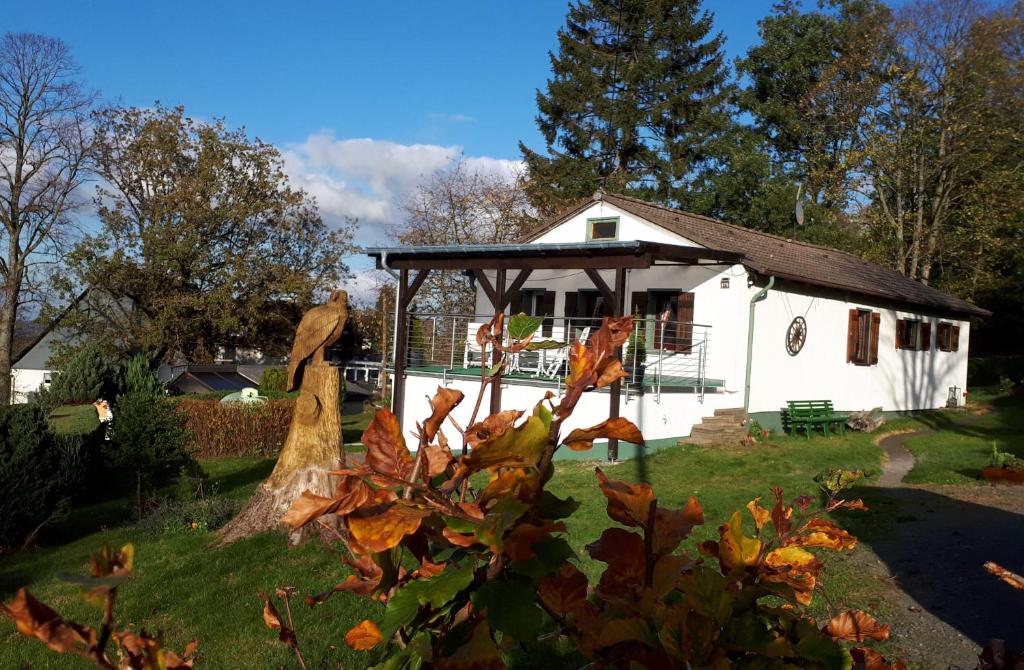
(8, 317)
(312, 449)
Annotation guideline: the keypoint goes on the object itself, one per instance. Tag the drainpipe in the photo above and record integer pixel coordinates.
(758, 297)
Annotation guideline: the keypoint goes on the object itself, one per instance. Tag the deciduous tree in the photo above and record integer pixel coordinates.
(203, 241)
(44, 152)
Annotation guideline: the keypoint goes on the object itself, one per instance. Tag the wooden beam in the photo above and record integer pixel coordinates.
(485, 284)
(603, 262)
(598, 282)
(514, 288)
(417, 282)
(618, 309)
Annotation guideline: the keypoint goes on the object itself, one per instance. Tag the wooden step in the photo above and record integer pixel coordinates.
(731, 411)
(727, 420)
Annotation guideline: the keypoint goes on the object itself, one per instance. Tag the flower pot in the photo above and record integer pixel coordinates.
(1006, 475)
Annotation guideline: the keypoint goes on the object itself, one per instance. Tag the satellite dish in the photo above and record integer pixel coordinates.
(798, 211)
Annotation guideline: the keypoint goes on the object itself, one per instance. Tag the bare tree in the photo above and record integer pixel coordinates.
(462, 205)
(44, 149)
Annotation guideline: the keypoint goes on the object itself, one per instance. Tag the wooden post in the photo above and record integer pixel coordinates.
(619, 308)
(406, 292)
(401, 346)
(498, 304)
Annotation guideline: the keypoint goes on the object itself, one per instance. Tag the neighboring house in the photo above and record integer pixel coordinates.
(731, 318)
(30, 369)
(186, 379)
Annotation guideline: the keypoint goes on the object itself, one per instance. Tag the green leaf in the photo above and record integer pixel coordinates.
(522, 326)
(709, 594)
(499, 519)
(495, 369)
(822, 649)
(436, 592)
(109, 582)
(549, 555)
(540, 345)
(511, 608)
(553, 507)
(749, 633)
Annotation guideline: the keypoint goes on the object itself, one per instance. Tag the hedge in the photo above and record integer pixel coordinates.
(236, 429)
(992, 370)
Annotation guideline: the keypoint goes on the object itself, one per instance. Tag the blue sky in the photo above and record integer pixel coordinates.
(364, 98)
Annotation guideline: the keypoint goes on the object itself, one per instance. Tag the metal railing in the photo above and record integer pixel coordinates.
(658, 355)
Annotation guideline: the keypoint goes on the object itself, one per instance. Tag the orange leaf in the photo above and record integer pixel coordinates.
(382, 526)
(386, 452)
(618, 428)
(735, 550)
(869, 659)
(306, 508)
(760, 514)
(363, 636)
(856, 626)
(442, 404)
(565, 592)
(822, 533)
(629, 504)
(491, 427)
(519, 542)
(781, 515)
(479, 653)
(34, 619)
(632, 629)
(274, 622)
(1011, 578)
(624, 553)
(673, 526)
(519, 482)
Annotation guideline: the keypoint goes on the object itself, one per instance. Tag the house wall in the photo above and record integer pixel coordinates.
(902, 380)
(29, 373)
(673, 416)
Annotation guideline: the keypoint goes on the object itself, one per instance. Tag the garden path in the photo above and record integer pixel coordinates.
(929, 551)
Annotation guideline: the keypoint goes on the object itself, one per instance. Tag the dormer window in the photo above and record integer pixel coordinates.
(603, 229)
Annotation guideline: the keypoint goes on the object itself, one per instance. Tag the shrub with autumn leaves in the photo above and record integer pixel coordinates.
(470, 558)
(469, 555)
(105, 647)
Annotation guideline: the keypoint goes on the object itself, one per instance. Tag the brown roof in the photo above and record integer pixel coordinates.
(771, 255)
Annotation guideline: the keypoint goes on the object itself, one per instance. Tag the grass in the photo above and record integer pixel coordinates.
(186, 589)
(963, 443)
(74, 419)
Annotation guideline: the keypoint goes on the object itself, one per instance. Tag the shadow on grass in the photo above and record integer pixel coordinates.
(935, 547)
(229, 484)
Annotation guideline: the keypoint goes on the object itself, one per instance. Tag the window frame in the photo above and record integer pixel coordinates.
(945, 343)
(602, 219)
(864, 349)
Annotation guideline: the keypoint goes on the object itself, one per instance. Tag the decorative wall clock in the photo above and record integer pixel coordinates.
(796, 335)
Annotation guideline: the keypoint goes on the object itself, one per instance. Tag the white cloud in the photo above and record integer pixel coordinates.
(368, 179)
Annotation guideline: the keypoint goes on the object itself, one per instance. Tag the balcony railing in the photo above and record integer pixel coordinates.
(667, 354)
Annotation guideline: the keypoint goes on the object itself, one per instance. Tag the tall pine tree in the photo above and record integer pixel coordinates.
(638, 103)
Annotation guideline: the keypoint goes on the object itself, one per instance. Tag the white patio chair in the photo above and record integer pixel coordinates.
(471, 347)
(551, 368)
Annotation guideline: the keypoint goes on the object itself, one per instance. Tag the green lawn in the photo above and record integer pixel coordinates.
(963, 443)
(187, 589)
(74, 419)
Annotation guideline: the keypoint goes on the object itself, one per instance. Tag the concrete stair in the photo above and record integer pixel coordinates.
(728, 427)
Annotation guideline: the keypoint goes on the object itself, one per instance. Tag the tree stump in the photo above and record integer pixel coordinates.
(312, 449)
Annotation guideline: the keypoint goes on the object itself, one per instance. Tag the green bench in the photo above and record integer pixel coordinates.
(806, 414)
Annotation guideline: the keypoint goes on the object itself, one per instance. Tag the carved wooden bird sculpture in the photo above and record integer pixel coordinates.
(320, 328)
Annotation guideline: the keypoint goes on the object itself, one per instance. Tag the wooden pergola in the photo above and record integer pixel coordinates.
(517, 262)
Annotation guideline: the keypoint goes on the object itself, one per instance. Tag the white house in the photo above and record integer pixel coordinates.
(732, 318)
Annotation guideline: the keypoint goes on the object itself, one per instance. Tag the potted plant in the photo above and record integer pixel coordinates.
(635, 357)
(1003, 467)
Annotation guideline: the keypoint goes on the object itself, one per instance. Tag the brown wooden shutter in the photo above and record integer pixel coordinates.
(901, 327)
(876, 322)
(684, 322)
(547, 302)
(955, 339)
(926, 337)
(851, 335)
(638, 303)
